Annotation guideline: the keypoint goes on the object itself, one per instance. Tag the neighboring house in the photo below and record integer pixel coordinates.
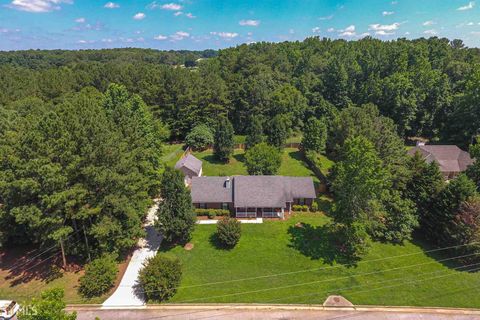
(253, 196)
(451, 159)
(190, 166)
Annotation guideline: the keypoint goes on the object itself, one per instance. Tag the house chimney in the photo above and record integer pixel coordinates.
(227, 183)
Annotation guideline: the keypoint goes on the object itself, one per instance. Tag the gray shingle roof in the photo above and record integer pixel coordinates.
(450, 158)
(211, 190)
(252, 191)
(190, 162)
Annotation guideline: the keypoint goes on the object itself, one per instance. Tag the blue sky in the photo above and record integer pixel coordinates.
(202, 24)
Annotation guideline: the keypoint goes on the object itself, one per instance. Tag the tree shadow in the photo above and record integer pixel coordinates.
(240, 157)
(318, 243)
(215, 241)
(213, 160)
(458, 259)
(23, 264)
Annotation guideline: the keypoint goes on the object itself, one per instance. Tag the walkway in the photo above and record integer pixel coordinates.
(212, 221)
(127, 293)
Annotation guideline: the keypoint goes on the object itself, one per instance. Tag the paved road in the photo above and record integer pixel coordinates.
(264, 315)
(128, 293)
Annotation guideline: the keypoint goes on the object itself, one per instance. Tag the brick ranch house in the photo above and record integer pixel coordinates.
(451, 159)
(253, 196)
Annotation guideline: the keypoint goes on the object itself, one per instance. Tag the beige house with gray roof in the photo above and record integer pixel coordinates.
(451, 159)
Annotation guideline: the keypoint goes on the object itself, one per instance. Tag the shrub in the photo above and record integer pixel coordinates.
(315, 206)
(160, 277)
(212, 213)
(300, 208)
(263, 159)
(200, 138)
(228, 232)
(100, 275)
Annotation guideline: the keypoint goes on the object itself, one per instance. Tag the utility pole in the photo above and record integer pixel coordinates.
(63, 255)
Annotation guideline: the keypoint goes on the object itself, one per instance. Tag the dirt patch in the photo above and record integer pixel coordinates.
(189, 246)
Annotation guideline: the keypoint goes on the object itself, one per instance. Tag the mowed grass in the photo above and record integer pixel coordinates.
(292, 164)
(277, 262)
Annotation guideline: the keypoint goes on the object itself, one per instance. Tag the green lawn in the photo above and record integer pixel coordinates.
(171, 153)
(292, 164)
(281, 263)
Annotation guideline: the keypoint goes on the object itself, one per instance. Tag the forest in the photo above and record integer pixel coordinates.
(81, 131)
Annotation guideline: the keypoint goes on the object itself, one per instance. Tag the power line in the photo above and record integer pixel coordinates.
(319, 269)
(346, 288)
(366, 290)
(38, 255)
(324, 280)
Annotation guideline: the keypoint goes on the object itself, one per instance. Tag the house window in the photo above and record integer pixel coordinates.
(301, 201)
(224, 206)
(202, 205)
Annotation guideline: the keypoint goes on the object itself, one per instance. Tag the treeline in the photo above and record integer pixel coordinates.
(78, 171)
(44, 59)
(427, 86)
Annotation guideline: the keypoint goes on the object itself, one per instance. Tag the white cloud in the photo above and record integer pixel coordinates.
(178, 13)
(330, 17)
(365, 34)
(316, 30)
(431, 32)
(407, 33)
(394, 2)
(348, 31)
(139, 16)
(475, 33)
(190, 15)
(225, 35)
(384, 27)
(111, 5)
(429, 23)
(172, 6)
(384, 33)
(330, 30)
(388, 13)
(160, 37)
(5, 30)
(469, 6)
(179, 35)
(107, 40)
(37, 5)
(249, 23)
(80, 20)
(85, 41)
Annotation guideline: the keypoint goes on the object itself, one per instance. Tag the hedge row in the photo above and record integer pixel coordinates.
(212, 213)
(300, 208)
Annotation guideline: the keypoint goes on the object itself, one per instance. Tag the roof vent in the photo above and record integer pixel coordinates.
(227, 183)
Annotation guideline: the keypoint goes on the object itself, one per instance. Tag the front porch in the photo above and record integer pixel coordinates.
(261, 212)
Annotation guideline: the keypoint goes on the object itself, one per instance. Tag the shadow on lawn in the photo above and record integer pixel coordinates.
(215, 241)
(318, 243)
(458, 259)
(23, 264)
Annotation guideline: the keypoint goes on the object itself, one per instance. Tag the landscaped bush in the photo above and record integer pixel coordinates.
(228, 232)
(160, 277)
(212, 213)
(200, 138)
(300, 208)
(100, 275)
(315, 206)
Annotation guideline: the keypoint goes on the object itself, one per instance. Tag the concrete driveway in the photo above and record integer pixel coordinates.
(128, 294)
